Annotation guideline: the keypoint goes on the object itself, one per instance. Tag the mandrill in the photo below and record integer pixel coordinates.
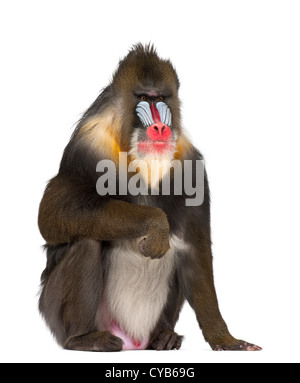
(120, 264)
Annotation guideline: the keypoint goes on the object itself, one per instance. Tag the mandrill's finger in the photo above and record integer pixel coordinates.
(238, 346)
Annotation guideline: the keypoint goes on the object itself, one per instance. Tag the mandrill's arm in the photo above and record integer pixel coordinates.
(197, 284)
(71, 210)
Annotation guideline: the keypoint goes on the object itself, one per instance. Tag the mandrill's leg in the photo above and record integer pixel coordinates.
(70, 299)
(163, 336)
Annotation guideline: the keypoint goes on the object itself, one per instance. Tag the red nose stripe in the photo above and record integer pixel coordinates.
(155, 113)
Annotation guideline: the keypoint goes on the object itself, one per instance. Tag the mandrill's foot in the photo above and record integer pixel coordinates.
(239, 345)
(167, 340)
(95, 341)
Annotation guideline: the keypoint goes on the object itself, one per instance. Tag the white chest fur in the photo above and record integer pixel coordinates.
(137, 287)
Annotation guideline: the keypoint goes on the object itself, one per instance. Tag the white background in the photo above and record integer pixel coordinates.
(239, 66)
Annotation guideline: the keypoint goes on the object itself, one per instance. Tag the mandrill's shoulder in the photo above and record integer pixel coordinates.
(185, 150)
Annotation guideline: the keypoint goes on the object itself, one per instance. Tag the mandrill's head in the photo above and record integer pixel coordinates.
(146, 91)
(138, 113)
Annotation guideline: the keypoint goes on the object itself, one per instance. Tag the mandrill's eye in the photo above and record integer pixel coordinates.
(160, 98)
(143, 98)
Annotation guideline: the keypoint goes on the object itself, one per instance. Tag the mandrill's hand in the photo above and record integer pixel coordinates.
(156, 243)
(239, 345)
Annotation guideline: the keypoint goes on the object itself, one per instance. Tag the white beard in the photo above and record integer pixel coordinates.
(154, 165)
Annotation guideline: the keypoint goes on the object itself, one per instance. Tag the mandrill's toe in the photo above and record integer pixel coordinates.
(167, 340)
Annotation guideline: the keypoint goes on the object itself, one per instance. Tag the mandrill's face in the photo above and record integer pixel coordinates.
(153, 136)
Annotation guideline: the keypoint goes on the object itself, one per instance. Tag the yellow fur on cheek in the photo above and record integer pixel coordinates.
(102, 135)
(183, 146)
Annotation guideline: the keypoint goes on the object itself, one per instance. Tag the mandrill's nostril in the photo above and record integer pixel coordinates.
(156, 128)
